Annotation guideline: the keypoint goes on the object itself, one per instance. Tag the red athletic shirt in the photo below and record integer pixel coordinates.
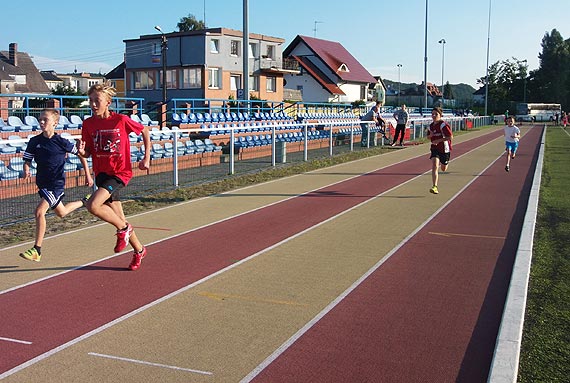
(107, 139)
(437, 130)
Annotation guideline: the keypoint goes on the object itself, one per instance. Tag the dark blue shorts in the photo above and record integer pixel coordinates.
(52, 197)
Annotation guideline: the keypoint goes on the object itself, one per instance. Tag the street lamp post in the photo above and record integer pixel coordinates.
(425, 59)
(163, 47)
(399, 83)
(442, 42)
(487, 67)
(524, 83)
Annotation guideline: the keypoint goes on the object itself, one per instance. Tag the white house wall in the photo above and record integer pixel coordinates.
(352, 92)
(312, 90)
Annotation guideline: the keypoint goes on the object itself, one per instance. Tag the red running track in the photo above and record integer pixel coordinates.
(432, 311)
(76, 303)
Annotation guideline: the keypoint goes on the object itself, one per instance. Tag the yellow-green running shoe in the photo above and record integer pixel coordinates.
(31, 255)
(434, 190)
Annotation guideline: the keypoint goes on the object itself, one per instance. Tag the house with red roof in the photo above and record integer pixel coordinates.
(328, 72)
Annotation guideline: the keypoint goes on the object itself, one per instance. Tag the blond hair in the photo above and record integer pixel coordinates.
(54, 112)
(105, 88)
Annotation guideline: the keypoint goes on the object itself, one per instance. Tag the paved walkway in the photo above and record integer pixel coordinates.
(350, 273)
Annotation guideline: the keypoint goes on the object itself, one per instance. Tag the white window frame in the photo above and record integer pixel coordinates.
(253, 83)
(191, 78)
(215, 78)
(144, 79)
(235, 82)
(271, 84)
(215, 46)
(253, 50)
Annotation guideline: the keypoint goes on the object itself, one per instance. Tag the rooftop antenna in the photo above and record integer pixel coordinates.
(315, 28)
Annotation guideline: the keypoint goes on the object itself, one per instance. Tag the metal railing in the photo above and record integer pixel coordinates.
(307, 140)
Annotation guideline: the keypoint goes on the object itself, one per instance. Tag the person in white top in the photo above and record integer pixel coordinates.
(512, 135)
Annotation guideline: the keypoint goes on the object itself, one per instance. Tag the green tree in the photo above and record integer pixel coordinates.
(190, 23)
(550, 82)
(64, 90)
(506, 83)
(448, 93)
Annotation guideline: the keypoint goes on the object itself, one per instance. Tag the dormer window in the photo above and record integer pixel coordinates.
(343, 68)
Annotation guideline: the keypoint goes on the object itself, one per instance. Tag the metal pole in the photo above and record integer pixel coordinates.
(175, 159)
(442, 42)
(245, 50)
(399, 83)
(163, 47)
(425, 58)
(231, 149)
(487, 68)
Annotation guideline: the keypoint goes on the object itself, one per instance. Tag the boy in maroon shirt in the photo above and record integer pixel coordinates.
(440, 136)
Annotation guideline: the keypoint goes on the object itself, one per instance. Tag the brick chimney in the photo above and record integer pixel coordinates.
(13, 54)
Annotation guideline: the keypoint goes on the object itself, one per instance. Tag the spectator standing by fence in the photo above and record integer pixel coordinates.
(372, 115)
(401, 117)
(106, 138)
(49, 150)
(440, 135)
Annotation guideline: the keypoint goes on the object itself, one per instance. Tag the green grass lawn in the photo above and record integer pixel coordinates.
(545, 351)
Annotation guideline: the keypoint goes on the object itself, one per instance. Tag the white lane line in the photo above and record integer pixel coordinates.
(15, 340)
(151, 363)
(208, 277)
(289, 342)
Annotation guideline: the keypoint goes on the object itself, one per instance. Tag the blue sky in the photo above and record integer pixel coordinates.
(380, 34)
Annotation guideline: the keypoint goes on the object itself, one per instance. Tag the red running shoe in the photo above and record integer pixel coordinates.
(137, 259)
(123, 238)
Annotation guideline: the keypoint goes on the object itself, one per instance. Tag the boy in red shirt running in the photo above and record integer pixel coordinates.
(106, 138)
(440, 135)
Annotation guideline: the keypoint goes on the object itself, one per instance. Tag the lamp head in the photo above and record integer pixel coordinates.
(157, 27)
(442, 41)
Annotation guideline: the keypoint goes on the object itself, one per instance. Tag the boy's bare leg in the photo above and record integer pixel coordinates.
(434, 170)
(98, 207)
(62, 210)
(41, 211)
(117, 207)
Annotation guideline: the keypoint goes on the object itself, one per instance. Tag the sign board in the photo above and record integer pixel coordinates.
(240, 94)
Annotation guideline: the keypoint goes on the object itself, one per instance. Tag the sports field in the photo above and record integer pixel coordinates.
(350, 273)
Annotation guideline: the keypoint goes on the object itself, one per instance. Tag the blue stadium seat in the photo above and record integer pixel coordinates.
(75, 119)
(18, 125)
(32, 121)
(146, 120)
(5, 127)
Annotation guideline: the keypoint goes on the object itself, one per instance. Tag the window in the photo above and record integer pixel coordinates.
(235, 82)
(270, 52)
(363, 93)
(214, 46)
(171, 80)
(144, 79)
(271, 84)
(234, 48)
(156, 49)
(191, 78)
(253, 47)
(253, 83)
(214, 78)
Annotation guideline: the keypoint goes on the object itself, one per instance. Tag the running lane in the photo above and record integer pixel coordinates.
(431, 312)
(44, 316)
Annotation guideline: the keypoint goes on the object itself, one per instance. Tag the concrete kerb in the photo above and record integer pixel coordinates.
(504, 367)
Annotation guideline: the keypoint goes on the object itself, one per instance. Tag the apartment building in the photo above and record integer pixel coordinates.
(205, 64)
